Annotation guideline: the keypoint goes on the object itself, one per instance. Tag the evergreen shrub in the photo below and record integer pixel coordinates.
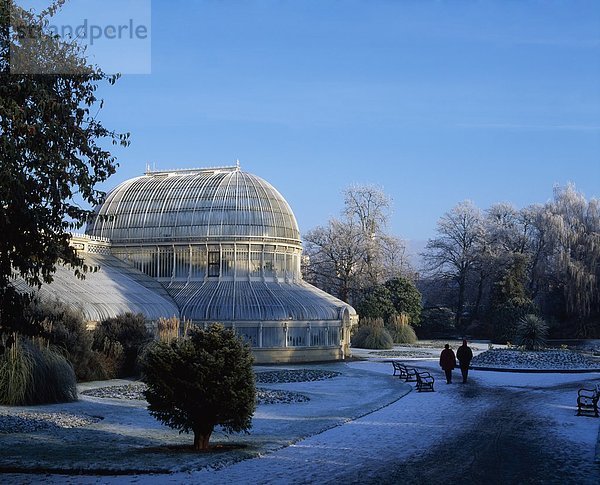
(201, 381)
(121, 340)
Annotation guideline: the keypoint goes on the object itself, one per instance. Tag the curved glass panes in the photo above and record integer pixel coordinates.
(188, 205)
(225, 247)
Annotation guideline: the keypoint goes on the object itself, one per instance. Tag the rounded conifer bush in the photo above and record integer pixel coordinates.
(200, 382)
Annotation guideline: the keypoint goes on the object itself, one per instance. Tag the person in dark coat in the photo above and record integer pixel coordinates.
(448, 362)
(464, 354)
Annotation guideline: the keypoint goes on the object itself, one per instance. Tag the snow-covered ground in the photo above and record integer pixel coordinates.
(361, 427)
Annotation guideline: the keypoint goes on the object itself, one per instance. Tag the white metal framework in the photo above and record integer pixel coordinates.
(226, 246)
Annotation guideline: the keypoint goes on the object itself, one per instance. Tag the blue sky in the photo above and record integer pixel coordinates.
(437, 101)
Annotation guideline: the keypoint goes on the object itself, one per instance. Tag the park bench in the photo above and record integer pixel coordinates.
(407, 373)
(587, 401)
(398, 369)
(424, 381)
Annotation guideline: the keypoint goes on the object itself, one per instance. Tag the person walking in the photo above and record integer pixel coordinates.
(464, 354)
(448, 362)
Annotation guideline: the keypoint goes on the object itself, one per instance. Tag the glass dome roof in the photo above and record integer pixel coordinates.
(191, 205)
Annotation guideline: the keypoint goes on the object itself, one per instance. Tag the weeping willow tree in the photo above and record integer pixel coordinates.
(573, 224)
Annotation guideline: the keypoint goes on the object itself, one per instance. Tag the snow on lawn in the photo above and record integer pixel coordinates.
(342, 435)
(542, 360)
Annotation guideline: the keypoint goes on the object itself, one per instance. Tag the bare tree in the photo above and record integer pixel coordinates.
(369, 206)
(354, 253)
(509, 229)
(336, 257)
(454, 253)
(393, 258)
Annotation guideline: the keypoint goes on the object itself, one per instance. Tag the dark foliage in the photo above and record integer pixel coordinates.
(397, 297)
(12, 307)
(405, 298)
(377, 304)
(200, 382)
(436, 322)
(52, 150)
(64, 328)
(506, 318)
(121, 340)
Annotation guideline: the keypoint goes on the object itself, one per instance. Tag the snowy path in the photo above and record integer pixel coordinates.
(513, 442)
(499, 428)
(482, 432)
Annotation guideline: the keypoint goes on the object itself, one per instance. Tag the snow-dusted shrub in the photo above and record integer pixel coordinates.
(31, 372)
(371, 334)
(199, 382)
(401, 331)
(532, 332)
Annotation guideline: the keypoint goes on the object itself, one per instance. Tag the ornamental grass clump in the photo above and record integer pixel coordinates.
(200, 382)
(32, 372)
(531, 332)
(371, 334)
(167, 329)
(401, 331)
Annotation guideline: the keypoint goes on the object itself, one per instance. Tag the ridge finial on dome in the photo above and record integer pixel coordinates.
(237, 164)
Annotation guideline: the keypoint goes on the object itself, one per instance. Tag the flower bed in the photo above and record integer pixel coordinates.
(535, 360)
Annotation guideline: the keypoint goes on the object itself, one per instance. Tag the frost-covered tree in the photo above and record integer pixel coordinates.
(202, 381)
(573, 227)
(336, 258)
(454, 253)
(354, 253)
(369, 206)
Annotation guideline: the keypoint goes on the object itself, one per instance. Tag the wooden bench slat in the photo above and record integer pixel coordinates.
(587, 401)
(425, 382)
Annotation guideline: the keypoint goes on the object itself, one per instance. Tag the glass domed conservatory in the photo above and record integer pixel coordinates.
(226, 247)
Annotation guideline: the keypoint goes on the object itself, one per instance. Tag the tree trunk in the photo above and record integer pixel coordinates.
(461, 301)
(475, 313)
(201, 439)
